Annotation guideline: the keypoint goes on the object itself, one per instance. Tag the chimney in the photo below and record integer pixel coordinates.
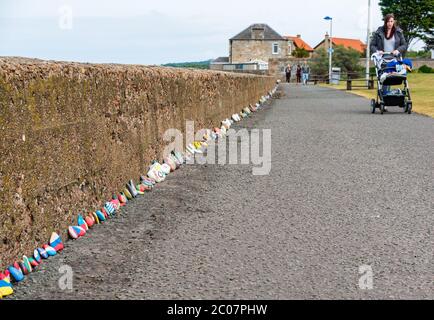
(327, 41)
(258, 32)
(298, 35)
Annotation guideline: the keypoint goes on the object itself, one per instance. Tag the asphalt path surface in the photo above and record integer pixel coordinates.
(347, 189)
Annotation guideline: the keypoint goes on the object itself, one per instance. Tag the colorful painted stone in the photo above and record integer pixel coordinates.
(16, 272)
(140, 189)
(116, 204)
(226, 124)
(56, 242)
(105, 213)
(148, 184)
(90, 221)
(175, 160)
(171, 163)
(82, 223)
(148, 180)
(190, 148)
(37, 256)
(197, 145)
(122, 199)
(25, 266)
(76, 232)
(143, 188)
(128, 194)
(43, 253)
(213, 136)
(156, 173)
(131, 188)
(33, 262)
(95, 216)
(166, 169)
(109, 208)
(100, 216)
(50, 250)
(5, 287)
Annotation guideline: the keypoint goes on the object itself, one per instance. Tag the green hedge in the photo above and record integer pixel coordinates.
(426, 69)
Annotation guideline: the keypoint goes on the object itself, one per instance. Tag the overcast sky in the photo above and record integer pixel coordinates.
(157, 32)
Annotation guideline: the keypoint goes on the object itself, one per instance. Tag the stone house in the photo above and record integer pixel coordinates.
(257, 48)
(257, 42)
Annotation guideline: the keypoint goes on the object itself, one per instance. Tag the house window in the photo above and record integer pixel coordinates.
(289, 48)
(275, 48)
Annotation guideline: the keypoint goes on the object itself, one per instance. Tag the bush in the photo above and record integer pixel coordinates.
(300, 53)
(346, 59)
(426, 54)
(320, 63)
(426, 69)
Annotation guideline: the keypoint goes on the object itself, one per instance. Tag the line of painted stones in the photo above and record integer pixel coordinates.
(157, 173)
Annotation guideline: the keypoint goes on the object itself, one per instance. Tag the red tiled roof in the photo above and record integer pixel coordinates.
(350, 43)
(299, 43)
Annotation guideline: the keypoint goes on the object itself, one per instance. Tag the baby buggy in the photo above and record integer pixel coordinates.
(391, 71)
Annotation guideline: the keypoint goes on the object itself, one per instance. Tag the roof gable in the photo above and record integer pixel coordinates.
(355, 44)
(299, 43)
(258, 31)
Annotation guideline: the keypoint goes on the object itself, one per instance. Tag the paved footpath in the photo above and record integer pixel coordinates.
(346, 189)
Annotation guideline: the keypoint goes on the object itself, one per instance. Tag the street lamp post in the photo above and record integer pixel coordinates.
(368, 49)
(330, 46)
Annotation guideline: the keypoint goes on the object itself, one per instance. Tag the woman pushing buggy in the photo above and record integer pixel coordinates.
(389, 47)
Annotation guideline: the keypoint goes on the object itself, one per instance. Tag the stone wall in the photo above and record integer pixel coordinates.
(247, 50)
(72, 134)
(276, 67)
(417, 63)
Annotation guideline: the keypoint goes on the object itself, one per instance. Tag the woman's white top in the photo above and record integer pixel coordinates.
(389, 45)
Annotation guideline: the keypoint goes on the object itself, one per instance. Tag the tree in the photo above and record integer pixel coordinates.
(320, 63)
(415, 17)
(300, 53)
(346, 59)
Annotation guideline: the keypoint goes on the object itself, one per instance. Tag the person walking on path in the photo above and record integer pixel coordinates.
(298, 74)
(288, 73)
(305, 70)
(389, 38)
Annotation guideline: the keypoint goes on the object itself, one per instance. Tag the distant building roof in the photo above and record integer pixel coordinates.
(355, 44)
(258, 31)
(299, 43)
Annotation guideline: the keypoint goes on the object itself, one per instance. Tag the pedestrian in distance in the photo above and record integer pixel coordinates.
(288, 73)
(305, 70)
(298, 74)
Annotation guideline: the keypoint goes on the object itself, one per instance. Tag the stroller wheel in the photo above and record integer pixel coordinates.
(381, 108)
(373, 105)
(409, 107)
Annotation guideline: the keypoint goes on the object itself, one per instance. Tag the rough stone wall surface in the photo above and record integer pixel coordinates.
(246, 50)
(276, 67)
(417, 62)
(72, 134)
